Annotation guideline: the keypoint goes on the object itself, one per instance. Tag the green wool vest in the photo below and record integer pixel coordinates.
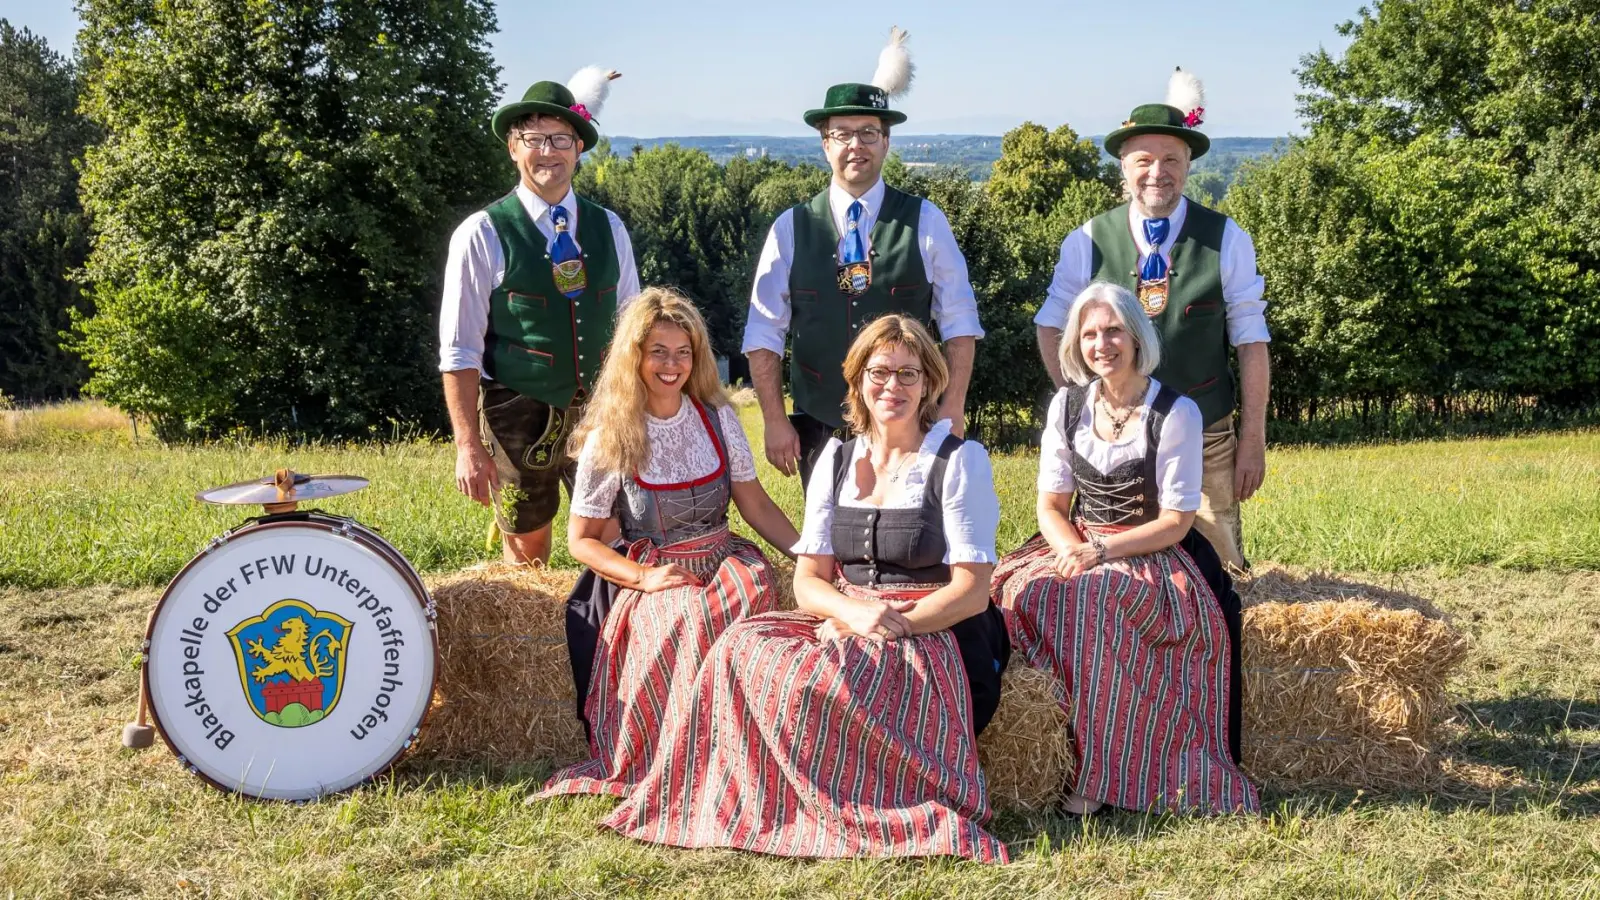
(1193, 326)
(541, 344)
(825, 320)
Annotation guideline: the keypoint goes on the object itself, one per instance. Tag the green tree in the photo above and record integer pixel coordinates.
(272, 203)
(43, 234)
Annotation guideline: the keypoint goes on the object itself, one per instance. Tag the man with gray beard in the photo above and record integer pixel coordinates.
(1194, 271)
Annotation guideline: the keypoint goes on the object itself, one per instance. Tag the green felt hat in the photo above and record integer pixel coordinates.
(1159, 118)
(548, 98)
(853, 99)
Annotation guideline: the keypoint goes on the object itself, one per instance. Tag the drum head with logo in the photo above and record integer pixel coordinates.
(293, 658)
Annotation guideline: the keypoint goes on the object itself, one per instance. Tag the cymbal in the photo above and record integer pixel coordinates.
(297, 489)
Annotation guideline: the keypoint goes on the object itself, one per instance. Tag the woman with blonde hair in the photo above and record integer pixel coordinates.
(1118, 596)
(660, 452)
(849, 727)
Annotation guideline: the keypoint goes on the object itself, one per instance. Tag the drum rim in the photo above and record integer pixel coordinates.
(326, 522)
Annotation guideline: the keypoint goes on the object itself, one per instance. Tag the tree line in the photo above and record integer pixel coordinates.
(229, 213)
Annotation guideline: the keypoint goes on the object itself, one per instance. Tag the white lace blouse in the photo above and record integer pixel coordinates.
(1178, 456)
(971, 508)
(681, 450)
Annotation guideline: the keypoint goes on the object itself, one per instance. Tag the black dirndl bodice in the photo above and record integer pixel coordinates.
(905, 548)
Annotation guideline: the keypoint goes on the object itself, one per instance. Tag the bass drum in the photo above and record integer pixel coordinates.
(294, 657)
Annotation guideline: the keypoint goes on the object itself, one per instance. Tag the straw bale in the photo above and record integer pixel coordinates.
(504, 691)
(1026, 752)
(1347, 691)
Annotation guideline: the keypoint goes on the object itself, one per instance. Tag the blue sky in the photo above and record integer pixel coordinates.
(739, 67)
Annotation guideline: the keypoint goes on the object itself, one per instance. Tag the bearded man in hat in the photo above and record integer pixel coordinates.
(1194, 271)
(856, 251)
(533, 283)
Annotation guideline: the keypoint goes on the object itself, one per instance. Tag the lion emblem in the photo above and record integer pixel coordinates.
(293, 655)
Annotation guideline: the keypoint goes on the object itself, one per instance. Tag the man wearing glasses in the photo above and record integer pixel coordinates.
(856, 251)
(532, 288)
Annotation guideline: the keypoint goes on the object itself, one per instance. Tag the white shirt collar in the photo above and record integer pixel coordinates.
(539, 211)
(839, 201)
(1136, 222)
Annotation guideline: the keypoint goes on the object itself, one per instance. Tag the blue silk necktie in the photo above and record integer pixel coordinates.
(1155, 265)
(564, 249)
(855, 249)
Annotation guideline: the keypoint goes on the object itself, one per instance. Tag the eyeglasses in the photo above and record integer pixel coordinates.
(533, 140)
(908, 376)
(868, 135)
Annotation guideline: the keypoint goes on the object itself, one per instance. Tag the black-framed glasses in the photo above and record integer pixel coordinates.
(907, 376)
(868, 135)
(533, 140)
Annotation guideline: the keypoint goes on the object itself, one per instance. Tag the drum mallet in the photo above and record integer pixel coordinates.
(139, 734)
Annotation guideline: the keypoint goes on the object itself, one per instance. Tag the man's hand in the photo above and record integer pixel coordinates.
(783, 445)
(475, 473)
(1249, 466)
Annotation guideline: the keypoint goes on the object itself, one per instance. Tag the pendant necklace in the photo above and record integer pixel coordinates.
(1117, 422)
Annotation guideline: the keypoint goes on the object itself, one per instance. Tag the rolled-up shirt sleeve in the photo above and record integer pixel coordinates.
(1243, 288)
(1055, 458)
(955, 306)
(1072, 273)
(627, 268)
(766, 326)
(971, 507)
(816, 532)
(1180, 457)
(473, 268)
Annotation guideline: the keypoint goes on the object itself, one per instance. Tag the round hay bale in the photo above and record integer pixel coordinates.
(1026, 752)
(504, 690)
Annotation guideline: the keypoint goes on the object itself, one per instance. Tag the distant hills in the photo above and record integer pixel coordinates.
(976, 153)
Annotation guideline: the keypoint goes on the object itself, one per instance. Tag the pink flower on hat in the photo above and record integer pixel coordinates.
(1195, 117)
(581, 110)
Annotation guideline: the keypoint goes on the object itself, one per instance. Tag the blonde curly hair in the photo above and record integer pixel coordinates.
(616, 412)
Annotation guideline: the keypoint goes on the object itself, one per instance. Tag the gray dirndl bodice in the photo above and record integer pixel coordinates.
(669, 513)
(1129, 493)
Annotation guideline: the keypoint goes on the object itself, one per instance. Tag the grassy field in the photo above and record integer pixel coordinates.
(1500, 534)
(86, 508)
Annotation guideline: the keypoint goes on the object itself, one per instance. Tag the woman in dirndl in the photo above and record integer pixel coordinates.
(849, 727)
(660, 452)
(1118, 596)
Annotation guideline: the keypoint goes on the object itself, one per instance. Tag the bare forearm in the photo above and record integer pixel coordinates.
(602, 559)
(1050, 352)
(757, 508)
(766, 373)
(1255, 386)
(1167, 529)
(461, 399)
(1055, 524)
(965, 596)
(816, 595)
(959, 353)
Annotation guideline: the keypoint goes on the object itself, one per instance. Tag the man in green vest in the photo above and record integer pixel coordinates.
(533, 283)
(856, 251)
(1194, 270)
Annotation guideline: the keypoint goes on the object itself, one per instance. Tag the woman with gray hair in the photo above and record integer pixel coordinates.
(1118, 595)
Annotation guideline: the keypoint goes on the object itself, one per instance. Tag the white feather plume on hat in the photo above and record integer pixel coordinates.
(591, 86)
(1185, 92)
(895, 70)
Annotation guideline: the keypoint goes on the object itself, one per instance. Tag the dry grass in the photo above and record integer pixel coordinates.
(81, 817)
(73, 420)
(1026, 751)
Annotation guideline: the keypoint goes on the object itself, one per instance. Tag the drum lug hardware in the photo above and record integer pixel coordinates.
(218, 541)
(344, 530)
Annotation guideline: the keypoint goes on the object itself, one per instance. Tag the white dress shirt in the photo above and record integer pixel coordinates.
(955, 308)
(971, 507)
(1179, 454)
(476, 265)
(1242, 285)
